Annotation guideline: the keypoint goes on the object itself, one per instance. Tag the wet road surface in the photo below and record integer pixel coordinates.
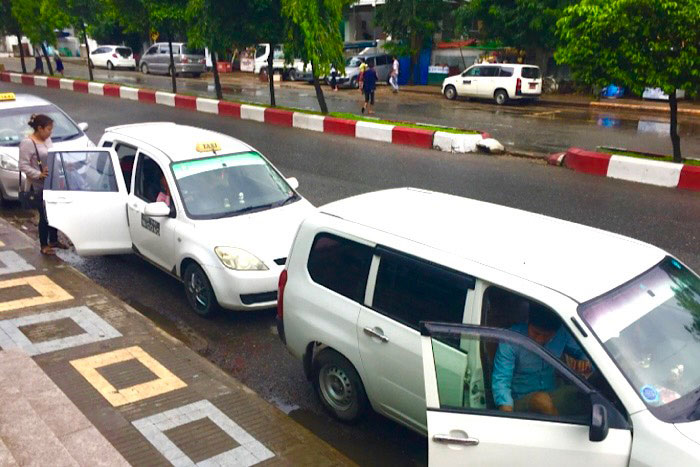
(330, 168)
(530, 127)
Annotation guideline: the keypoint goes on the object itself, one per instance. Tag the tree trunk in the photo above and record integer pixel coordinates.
(319, 92)
(48, 61)
(412, 70)
(21, 53)
(172, 62)
(675, 139)
(87, 52)
(542, 60)
(271, 73)
(215, 70)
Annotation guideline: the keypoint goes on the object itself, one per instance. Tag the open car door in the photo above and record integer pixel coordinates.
(587, 430)
(85, 198)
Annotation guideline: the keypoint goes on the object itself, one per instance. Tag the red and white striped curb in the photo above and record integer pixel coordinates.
(428, 139)
(668, 174)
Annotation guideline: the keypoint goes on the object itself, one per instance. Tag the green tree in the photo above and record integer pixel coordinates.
(10, 27)
(635, 43)
(526, 24)
(82, 13)
(169, 17)
(39, 19)
(313, 35)
(411, 24)
(209, 27)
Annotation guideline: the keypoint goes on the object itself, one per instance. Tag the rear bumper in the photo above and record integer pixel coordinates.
(190, 67)
(9, 184)
(123, 63)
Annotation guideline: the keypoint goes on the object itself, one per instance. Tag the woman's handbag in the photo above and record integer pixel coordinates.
(31, 199)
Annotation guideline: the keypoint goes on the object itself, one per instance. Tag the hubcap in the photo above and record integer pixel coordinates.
(197, 288)
(336, 388)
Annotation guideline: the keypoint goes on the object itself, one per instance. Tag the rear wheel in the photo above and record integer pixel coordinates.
(339, 386)
(199, 291)
(292, 75)
(450, 92)
(110, 66)
(354, 83)
(500, 96)
(144, 68)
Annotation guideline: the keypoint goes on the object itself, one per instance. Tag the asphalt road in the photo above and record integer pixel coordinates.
(330, 168)
(531, 127)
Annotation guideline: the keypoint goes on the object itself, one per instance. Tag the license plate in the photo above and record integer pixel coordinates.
(533, 85)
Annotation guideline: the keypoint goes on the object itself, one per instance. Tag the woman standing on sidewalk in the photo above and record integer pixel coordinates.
(33, 161)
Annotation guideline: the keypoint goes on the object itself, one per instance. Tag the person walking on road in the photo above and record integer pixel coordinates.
(38, 64)
(369, 84)
(59, 63)
(394, 77)
(33, 162)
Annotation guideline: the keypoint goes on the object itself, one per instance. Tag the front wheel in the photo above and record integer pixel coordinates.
(144, 68)
(292, 75)
(110, 66)
(339, 386)
(451, 92)
(200, 293)
(500, 96)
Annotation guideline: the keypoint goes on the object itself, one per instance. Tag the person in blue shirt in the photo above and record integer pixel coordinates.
(523, 382)
(369, 84)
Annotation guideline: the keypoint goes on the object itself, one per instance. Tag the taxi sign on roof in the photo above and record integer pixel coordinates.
(208, 147)
(7, 96)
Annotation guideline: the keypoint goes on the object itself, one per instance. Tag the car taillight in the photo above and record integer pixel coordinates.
(518, 86)
(115, 55)
(185, 60)
(280, 294)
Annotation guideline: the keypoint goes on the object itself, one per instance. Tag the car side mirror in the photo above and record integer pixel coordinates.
(83, 126)
(293, 182)
(158, 209)
(599, 423)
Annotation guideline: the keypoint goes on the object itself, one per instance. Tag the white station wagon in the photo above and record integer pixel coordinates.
(202, 206)
(501, 82)
(429, 309)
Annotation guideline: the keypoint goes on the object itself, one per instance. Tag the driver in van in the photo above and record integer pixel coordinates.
(523, 382)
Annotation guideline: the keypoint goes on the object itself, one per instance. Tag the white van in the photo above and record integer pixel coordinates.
(291, 71)
(405, 300)
(500, 82)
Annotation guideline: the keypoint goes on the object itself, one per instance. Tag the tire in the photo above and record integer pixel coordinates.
(144, 68)
(292, 75)
(199, 292)
(354, 83)
(110, 66)
(339, 387)
(500, 97)
(451, 92)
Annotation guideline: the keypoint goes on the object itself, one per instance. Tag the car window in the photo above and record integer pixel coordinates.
(164, 49)
(353, 62)
(125, 52)
(371, 61)
(506, 71)
(537, 390)
(127, 159)
(187, 50)
(411, 290)
(98, 50)
(382, 60)
(153, 50)
(340, 265)
(14, 127)
(147, 181)
(476, 71)
(530, 72)
(489, 71)
(83, 171)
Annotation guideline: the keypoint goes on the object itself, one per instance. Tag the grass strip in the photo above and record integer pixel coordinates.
(644, 155)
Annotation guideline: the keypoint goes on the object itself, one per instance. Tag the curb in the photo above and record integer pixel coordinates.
(395, 134)
(651, 172)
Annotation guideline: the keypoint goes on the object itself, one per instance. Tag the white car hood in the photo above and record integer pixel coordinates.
(690, 430)
(266, 234)
(77, 143)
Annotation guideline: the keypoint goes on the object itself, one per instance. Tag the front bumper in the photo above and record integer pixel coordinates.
(244, 290)
(9, 184)
(190, 67)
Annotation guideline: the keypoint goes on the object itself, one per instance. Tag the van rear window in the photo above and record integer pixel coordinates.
(341, 265)
(531, 72)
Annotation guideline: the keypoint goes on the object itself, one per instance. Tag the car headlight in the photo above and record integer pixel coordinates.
(239, 260)
(8, 163)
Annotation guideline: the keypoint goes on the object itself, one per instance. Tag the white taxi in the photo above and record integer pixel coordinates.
(15, 110)
(202, 206)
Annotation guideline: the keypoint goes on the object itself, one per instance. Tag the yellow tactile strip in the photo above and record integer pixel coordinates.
(48, 291)
(166, 381)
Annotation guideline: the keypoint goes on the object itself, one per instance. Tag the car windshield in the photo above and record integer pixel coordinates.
(260, 51)
(225, 186)
(531, 72)
(353, 61)
(651, 328)
(124, 51)
(187, 50)
(14, 127)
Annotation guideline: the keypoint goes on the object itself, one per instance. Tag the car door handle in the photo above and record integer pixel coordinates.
(448, 439)
(466, 82)
(60, 200)
(373, 333)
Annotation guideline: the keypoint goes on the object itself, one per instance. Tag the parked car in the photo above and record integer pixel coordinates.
(205, 207)
(501, 82)
(382, 66)
(113, 56)
(402, 299)
(187, 60)
(294, 71)
(15, 110)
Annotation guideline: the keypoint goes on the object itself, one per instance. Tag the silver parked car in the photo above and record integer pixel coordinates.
(187, 59)
(382, 66)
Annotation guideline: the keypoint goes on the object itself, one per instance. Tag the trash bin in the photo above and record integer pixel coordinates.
(223, 67)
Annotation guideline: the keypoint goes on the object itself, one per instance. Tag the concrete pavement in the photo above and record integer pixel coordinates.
(87, 380)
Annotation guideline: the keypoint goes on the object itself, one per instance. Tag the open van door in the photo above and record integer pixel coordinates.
(587, 431)
(85, 198)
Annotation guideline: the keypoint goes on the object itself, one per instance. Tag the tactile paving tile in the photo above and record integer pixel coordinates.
(11, 262)
(48, 290)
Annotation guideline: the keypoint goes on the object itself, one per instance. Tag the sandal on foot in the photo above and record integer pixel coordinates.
(47, 250)
(60, 245)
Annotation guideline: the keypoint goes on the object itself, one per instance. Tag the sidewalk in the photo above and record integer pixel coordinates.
(87, 380)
